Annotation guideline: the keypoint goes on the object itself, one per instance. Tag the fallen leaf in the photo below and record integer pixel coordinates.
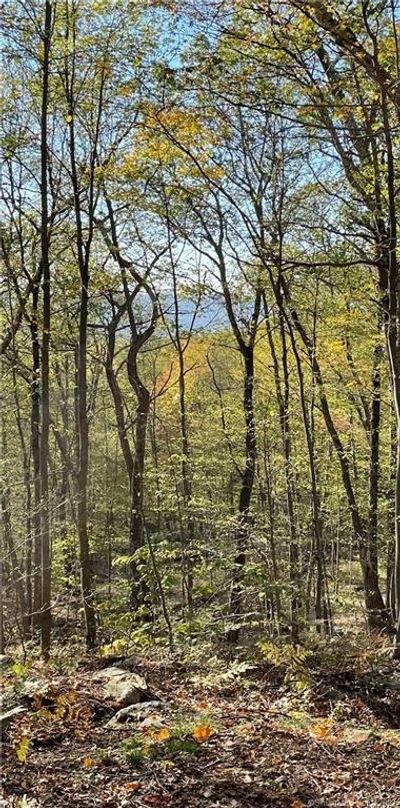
(322, 731)
(203, 732)
(131, 786)
(88, 762)
(160, 735)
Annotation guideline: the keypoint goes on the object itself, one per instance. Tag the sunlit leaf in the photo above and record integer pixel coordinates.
(160, 735)
(322, 731)
(202, 732)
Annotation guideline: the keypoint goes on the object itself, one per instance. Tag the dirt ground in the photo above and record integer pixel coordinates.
(266, 746)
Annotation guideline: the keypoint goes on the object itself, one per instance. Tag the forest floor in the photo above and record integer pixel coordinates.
(229, 735)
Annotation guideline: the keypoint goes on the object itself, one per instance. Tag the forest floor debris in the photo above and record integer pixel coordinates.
(246, 742)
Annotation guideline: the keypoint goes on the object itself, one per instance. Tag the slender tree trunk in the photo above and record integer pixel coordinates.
(282, 388)
(26, 561)
(117, 398)
(322, 608)
(134, 460)
(395, 367)
(186, 474)
(272, 540)
(374, 460)
(295, 605)
(390, 592)
(69, 554)
(246, 489)
(45, 358)
(35, 454)
(83, 247)
(389, 283)
(154, 450)
(82, 476)
(139, 588)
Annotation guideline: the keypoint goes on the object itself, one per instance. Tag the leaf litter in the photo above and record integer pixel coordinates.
(218, 744)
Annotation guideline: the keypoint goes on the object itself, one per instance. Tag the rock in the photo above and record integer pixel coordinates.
(9, 699)
(7, 718)
(5, 662)
(124, 687)
(130, 663)
(135, 712)
(126, 663)
(33, 689)
(152, 721)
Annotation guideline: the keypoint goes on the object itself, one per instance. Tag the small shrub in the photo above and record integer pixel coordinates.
(135, 749)
(293, 662)
(184, 737)
(182, 745)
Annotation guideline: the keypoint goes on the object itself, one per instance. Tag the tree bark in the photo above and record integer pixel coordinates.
(139, 589)
(246, 489)
(45, 357)
(282, 388)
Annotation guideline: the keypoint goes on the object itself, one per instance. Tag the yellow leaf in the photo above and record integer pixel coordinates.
(202, 732)
(23, 749)
(160, 735)
(322, 731)
(88, 762)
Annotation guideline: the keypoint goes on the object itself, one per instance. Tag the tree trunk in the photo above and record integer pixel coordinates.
(272, 541)
(186, 474)
(374, 460)
(322, 607)
(389, 282)
(35, 454)
(282, 388)
(82, 476)
(139, 588)
(81, 391)
(45, 366)
(246, 489)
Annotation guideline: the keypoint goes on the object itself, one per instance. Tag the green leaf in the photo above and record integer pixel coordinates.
(23, 749)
